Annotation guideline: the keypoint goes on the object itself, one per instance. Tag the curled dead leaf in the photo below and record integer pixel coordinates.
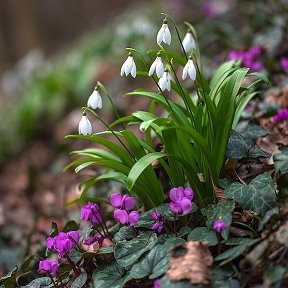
(191, 261)
(220, 194)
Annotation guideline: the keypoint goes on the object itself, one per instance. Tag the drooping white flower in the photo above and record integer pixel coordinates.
(129, 66)
(189, 42)
(85, 127)
(158, 66)
(95, 100)
(189, 70)
(164, 34)
(164, 81)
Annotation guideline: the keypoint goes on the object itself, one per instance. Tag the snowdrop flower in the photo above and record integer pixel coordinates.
(85, 127)
(188, 42)
(158, 66)
(164, 34)
(95, 100)
(189, 70)
(164, 81)
(129, 66)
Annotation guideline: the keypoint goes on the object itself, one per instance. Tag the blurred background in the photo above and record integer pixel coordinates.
(51, 55)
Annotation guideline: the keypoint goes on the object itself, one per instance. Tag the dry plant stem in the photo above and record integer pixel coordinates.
(73, 266)
(60, 280)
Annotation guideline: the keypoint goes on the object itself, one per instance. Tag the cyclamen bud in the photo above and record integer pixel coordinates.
(122, 202)
(219, 226)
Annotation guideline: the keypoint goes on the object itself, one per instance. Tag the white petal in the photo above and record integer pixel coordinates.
(160, 35)
(167, 35)
(99, 101)
(189, 42)
(159, 67)
(122, 69)
(128, 65)
(185, 70)
(192, 70)
(133, 69)
(162, 83)
(95, 100)
(152, 68)
(168, 85)
(85, 127)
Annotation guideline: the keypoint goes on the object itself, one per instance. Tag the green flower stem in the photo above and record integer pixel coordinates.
(102, 87)
(98, 117)
(162, 93)
(177, 31)
(73, 266)
(60, 280)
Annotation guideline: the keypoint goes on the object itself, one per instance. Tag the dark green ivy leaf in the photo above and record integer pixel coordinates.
(79, 281)
(258, 195)
(203, 234)
(221, 210)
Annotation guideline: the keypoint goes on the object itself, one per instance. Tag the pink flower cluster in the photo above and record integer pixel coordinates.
(181, 200)
(48, 267)
(123, 203)
(282, 115)
(249, 58)
(160, 220)
(63, 243)
(91, 212)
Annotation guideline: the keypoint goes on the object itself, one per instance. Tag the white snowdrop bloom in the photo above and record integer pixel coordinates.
(164, 81)
(164, 34)
(95, 100)
(85, 127)
(158, 66)
(129, 66)
(189, 42)
(189, 70)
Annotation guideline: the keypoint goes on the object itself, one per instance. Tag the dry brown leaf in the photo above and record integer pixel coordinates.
(191, 261)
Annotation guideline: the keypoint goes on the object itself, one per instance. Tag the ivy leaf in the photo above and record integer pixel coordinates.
(254, 131)
(258, 196)
(39, 283)
(203, 234)
(154, 264)
(128, 252)
(221, 210)
(235, 252)
(146, 220)
(79, 281)
(281, 161)
(239, 147)
(124, 233)
(229, 283)
(108, 276)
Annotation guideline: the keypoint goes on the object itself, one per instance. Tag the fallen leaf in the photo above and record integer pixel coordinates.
(191, 261)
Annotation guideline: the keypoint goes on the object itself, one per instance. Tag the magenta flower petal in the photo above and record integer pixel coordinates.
(156, 283)
(176, 194)
(74, 235)
(188, 192)
(186, 206)
(122, 216)
(133, 218)
(219, 226)
(116, 200)
(47, 266)
(128, 203)
(155, 215)
(175, 207)
(50, 243)
(85, 213)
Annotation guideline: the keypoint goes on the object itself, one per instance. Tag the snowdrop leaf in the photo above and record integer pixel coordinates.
(258, 196)
(128, 252)
(221, 210)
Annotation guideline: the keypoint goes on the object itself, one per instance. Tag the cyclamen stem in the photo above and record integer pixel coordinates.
(51, 277)
(219, 242)
(104, 225)
(101, 224)
(60, 280)
(78, 247)
(73, 266)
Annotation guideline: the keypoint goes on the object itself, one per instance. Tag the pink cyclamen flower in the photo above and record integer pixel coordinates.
(160, 220)
(63, 243)
(156, 283)
(219, 226)
(48, 267)
(123, 202)
(96, 238)
(282, 115)
(126, 219)
(91, 212)
(284, 63)
(181, 200)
